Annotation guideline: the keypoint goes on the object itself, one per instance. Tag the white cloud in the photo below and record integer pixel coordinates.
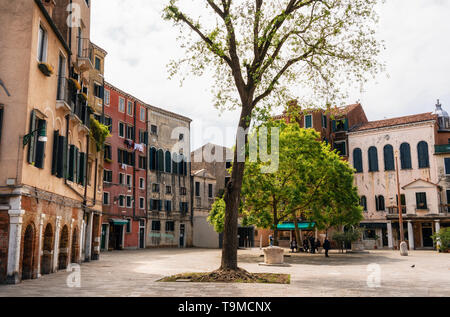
(140, 44)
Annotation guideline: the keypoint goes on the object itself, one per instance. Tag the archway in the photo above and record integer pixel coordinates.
(28, 253)
(63, 249)
(46, 264)
(74, 252)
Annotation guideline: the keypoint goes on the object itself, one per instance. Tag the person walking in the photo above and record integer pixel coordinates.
(318, 245)
(326, 246)
(271, 240)
(305, 245)
(293, 245)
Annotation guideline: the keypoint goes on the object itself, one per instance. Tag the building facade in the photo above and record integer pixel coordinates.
(125, 171)
(410, 144)
(49, 215)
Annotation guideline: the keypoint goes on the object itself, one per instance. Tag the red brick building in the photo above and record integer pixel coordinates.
(125, 171)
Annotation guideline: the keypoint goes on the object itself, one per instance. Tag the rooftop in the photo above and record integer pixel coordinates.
(395, 121)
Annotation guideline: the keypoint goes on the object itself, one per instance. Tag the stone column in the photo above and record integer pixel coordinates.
(56, 244)
(82, 230)
(88, 247)
(41, 226)
(410, 235)
(15, 238)
(389, 233)
(437, 225)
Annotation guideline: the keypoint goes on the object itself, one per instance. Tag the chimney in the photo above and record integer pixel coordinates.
(49, 6)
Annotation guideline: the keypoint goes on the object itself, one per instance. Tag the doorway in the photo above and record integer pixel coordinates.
(116, 237)
(141, 234)
(63, 249)
(46, 264)
(182, 232)
(427, 232)
(27, 258)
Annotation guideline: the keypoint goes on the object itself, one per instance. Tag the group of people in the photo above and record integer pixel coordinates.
(310, 244)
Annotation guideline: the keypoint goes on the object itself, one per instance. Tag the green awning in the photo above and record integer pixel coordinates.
(301, 225)
(118, 222)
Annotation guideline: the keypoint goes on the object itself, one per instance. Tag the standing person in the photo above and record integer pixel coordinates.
(305, 244)
(271, 240)
(293, 245)
(326, 246)
(312, 244)
(318, 245)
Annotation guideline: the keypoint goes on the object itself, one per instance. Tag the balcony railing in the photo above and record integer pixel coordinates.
(85, 54)
(394, 210)
(444, 209)
(82, 111)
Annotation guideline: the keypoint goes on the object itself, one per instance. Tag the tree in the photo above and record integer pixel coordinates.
(348, 236)
(261, 50)
(312, 182)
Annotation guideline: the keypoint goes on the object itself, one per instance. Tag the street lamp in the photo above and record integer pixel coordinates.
(42, 136)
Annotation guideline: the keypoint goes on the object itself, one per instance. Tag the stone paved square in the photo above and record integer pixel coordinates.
(135, 273)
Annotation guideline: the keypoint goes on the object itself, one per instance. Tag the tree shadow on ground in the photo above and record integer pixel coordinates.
(320, 259)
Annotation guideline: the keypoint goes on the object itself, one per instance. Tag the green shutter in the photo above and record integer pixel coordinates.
(55, 153)
(82, 169)
(31, 150)
(61, 164)
(40, 146)
(346, 124)
(333, 124)
(72, 164)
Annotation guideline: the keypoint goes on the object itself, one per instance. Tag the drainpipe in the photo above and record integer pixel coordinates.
(147, 161)
(134, 165)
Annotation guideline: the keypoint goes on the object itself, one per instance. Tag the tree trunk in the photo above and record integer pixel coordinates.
(232, 200)
(297, 232)
(275, 225)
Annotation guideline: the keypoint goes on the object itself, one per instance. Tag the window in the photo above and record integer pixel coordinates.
(121, 179)
(379, 203)
(42, 45)
(121, 201)
(170, 226)
(155, 205)
(141, 183)
(403, 202)
(324, 121)
(97, 63)
(59, 155)
(141, 203)
(130, 132)
(174, 163)
(357, 160)
(105, 198)
(341, 148)
(422, 151)
(156, 225)
(129, 202)
(373, 159)
(339, 125)
(447, 165)
(369, 234)
(405, 156)
(128, 226)
(184, 207)
(80, 42)
(168, 162)
(142, 114)
(155, 188)
(421, 199)
(98, 91)
(388, 152)
(108, 123)
(181, 137)
(168, 205)
(107, 176)
(210, 190)
(121, 130)
(308, 121)
(363, 202)
(107, 97)
(168, 190)
(130, 181)
(143, 137)
(108, 152)
(130, 108)
(152, 158)
(142, 162)
(121, 105)
(154, 129)
(36, 147)
(197, 189)
(160, 160)
(183, 191)
(61, 93)
(125, 157)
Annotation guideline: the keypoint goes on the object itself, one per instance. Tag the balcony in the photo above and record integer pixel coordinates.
(392, 211)
(444, 210)
(64, 95)
(85, 54)
(442, 149)
(82, 112)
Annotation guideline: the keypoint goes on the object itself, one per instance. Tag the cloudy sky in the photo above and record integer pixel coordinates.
(140, 44)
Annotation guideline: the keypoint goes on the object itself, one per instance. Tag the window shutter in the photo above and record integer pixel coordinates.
(82, 169)
(61, 165)
(72, 166)
(31, 144)
(377, 205)
(422, 150)
(185, 168)
(405, 156)
(333, 125)
(146, 138)
(40, 146)
(389, 158)
(102, 92)
(55, 153)
(159, 205)
(346, 124)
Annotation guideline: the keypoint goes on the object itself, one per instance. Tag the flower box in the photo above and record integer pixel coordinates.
(46, 69)
(75, 83)
(83, 95)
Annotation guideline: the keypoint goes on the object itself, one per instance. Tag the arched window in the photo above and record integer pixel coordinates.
(379, 203)
(181, 165)
(389, 164)
(357, 160)
(160, 161)
(363, 202)
(405, 156)
(152, 159)
(422, 151)
(168, 162)
(174, 163)
(373, 159)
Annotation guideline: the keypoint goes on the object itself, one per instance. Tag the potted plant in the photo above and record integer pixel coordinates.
(83, 95)
(46, 69)
(443, 239)
(75, 83)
